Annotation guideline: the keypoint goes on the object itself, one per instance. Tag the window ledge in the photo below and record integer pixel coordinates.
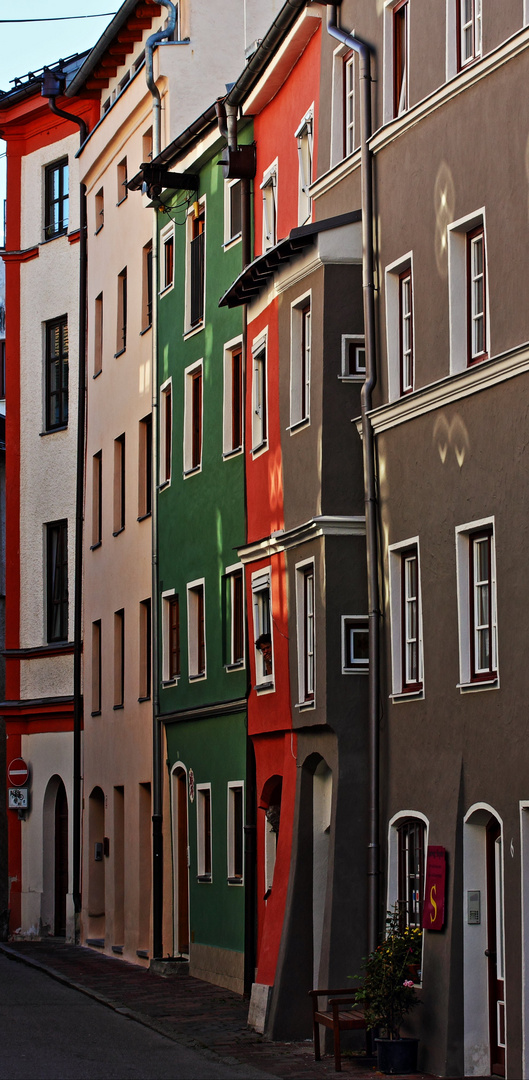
(121, 201)
(164, 484)
(54, 430)
(143, 954)
(479, 684)
(260, 448)
(94, 547)
(118, 531)
(303, 706)
(95, 712)
(235, 881)
(169, 682)
(166, 288)
(232, 241)
(97, 373)
(231, 453)
(193, 330)
(204, 878)
(99, 230)
(238, 666)
(408, 695)
(143, 517)
(305, 422)
(351, 378)
(191, 472)
(145, 329)
(117, 707)
(196, 678)
(360, 670)
(120, 353)
(147, 697)
(48, 239)
(261, 687)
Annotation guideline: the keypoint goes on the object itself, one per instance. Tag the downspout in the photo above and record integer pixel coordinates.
(157, 763)
(51, 87)
(368, 446)
(227, 123)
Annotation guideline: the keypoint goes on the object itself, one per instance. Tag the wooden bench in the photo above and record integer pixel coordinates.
(337, 1016)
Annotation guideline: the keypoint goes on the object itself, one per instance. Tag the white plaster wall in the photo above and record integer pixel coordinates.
(48, 754)
(46, 677)
(32, 189)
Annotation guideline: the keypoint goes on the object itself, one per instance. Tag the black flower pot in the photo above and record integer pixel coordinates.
(396, 1056)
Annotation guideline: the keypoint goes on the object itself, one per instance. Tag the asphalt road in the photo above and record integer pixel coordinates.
(48, 1030)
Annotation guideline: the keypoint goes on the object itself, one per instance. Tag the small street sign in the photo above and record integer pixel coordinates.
(18, 772)
(18, 798)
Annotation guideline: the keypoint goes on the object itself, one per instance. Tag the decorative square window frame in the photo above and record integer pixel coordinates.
(196, 213)
(404, 689)
(167, 254)
(355, 624)
(263, 625)
(458, 292)
(357, 342)
(233, 425)
(170, 678)
(469, 678)
(260, 394)
(193, 418)
(268, 187)
(233, 574)
(304, 135)
(166, 434)
(232, 234)
(300, 361)
(235, 878)
(196, 626)
(204, 833)
(306, 633)
(393, 276)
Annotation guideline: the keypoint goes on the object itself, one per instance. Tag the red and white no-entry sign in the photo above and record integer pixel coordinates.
(17, 772)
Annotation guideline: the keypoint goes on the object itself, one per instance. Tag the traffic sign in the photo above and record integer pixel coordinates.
(17, 772)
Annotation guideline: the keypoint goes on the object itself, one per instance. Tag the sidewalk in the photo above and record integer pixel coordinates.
(191, 1012)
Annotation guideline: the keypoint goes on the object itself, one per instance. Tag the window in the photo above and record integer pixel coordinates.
(146, 319)
(304, 141)
(122, 181)
(344, 135)
(234, 609)
(232, 210)
(269, 190)
(353, 357)
(300, 348)
(469, 323)
(476, 293)
(119, 658)
(233, 398)
(57, 581)
(98, 335)
(400, 57)
(476, 581)
(119, 485)
(145, 649)
(349, 133)
(196, 633)
(97, 499)
(145, 468)
(305, 632)
(166, 257)
(146, 145)
(259, 397)
(99, 210)
(406, 620)
(262, 628)
(56, 199)
(469, 31)
(195, 278)
(204, 832)
(411, 879)
(56, 373)
(405, 332)
(355, 644)
(400, 336)
(96, 667)
(166, 432)
(235, 832)
(193, 419)
(121, 339)
(171, 636)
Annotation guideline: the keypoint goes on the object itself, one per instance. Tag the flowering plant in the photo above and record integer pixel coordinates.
(387, 991)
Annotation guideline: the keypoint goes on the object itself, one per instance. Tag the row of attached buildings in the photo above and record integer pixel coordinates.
(267, 385)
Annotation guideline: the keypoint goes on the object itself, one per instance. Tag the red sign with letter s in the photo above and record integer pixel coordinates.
(433, 915)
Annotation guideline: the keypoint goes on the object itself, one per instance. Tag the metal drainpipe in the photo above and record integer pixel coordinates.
(368, 446)
(227, 123)
(79, 505)
(157, 763)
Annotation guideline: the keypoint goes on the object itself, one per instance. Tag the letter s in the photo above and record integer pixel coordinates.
(433, 914)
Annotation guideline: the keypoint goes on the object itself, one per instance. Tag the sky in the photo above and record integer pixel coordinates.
(29, 46)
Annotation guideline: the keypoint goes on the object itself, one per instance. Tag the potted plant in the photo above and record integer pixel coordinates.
(387, 993)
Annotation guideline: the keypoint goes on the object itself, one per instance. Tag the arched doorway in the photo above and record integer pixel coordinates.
(180, 862)
(55, 868)
(96, 864)
(321, 831)
(61, 861)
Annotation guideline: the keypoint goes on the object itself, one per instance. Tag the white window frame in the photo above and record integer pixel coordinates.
(359, 343)
(189, 373)
(167, 596)
(392, 278)
(230, 237)
(202, 875)
(261, 584)
(300, 361)
(236, 665)
(166, 235)
(260, 393)
(463, 535)
(463, 57)
(389, 55)
(350, 623)
(457, 233)
(189, 330)
(343, 135)
(165, 481)
(228, 450)
(268, 187)
(395, 554)
(192, 587)
(306, 635)
(304, 135)
(230, 833)
(393, 855)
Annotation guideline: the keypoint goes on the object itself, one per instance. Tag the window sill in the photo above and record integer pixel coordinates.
(147, 697)
(191, 472)
(193, 330)
(144, 517)
(235, 881)
(118, 949)
(305, 422)
(260, 448)
(121, 200)
(261, 688)
(53, 431)
(143, 954)
(204, 879)
(96, 712)
(304, 706)
(117, 707)
(196, 678)
(232, 241)
(97, 373)
(94, 547)
(118, 531)
(479, 684)
(145, 329)
(166, 289)
(238, 666)
(98, 230)
(408, 695)
(120, 353)
(164, 484)
(48, 239)
(232, 453)
(360, 670)
(360, 378)
(169, 682)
